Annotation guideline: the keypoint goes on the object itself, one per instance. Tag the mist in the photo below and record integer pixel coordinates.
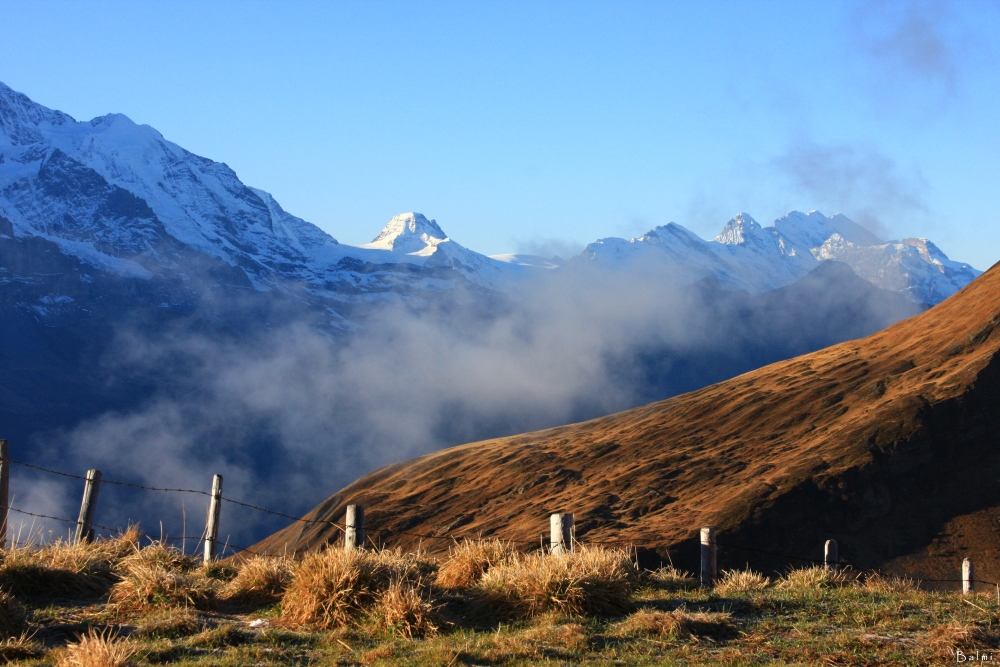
(857, 178)
(291, 412)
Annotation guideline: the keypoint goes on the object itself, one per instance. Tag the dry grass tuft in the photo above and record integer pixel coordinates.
(146, 586)
(815, 578)
(60, 569)
(156, 554)
(259, 580)
(98, 649)
(64, 569)
(741, 581)
(671, 579)
(116, 548)
(878, 583)
(677, 624)
(334, 588)
(589, 581)
(660, 624)
(20, 647)
(944, 639)
(402, 607)
(469, 560)
(159, 575)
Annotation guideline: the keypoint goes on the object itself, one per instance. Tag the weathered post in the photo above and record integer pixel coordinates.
(830, 556)
(212, 524)
(968, 576)
(88, 508)
(561, 534)
(354, 528)
(4, 491)
(709, 569)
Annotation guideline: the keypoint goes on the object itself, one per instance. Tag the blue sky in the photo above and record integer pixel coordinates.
(526, 126)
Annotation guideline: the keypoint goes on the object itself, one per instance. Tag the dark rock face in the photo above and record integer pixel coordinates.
(81, 205)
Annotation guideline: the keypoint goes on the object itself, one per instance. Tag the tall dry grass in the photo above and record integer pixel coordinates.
(811, 579)
(335, 588)
(405, 606)
(741, 581)
(21, 647)
(671, 579)
(879, 583)
(469, 560)
(98, 649)
(160, 575)
(591, 580)
(259, 580)
(64, 569)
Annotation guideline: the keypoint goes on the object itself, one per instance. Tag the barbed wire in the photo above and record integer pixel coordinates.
(107, 481)
(31, 465)
(178, 490)
(383, 533)
(285, 516)
(56, 518)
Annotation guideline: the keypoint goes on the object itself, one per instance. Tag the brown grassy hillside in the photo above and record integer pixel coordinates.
(888, 444)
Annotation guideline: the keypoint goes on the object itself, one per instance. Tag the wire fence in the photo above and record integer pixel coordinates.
(379, 535)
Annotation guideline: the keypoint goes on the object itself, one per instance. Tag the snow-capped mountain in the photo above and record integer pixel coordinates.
(758, 259)
(120, 197)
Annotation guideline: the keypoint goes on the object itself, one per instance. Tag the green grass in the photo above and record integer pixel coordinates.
(804, 620)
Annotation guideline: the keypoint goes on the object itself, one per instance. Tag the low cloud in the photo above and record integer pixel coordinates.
(291, 413)
(910, 39)
(548, 247)
(861, 182)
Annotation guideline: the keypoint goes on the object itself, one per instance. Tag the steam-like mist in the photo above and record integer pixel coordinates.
(292, 413)
(861, 180)
(909, 39)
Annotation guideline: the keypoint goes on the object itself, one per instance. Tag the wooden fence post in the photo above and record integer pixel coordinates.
(709, 563)
(212, 524)
(561, 534)
(830, 556)
(88, 508)
(354, 528)
(968, 576)
(4, 491)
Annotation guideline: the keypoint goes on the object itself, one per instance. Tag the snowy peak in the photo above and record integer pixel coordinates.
(746, 256)
(810, 230)
(20, 117)
(738, 230)
(409, 233)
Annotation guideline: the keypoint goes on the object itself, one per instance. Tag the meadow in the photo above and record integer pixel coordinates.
(135, 601)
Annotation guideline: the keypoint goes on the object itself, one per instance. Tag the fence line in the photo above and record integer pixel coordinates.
(710, 544)
(155, 488)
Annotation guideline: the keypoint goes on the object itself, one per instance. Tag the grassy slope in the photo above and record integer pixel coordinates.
(862, 442)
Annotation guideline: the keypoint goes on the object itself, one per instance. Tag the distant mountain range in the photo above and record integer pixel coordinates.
(122, 199)
(118, 247)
